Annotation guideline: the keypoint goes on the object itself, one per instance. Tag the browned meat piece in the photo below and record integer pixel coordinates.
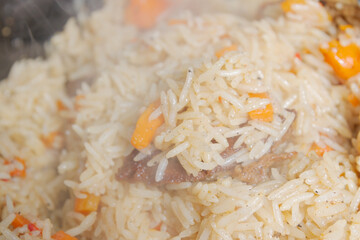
(256, 172)
(133, 171)
(259, 171)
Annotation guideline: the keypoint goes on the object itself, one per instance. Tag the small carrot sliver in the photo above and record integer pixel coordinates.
(226, 35)
(266, 114)
(88, 204)
(49, 139)
(19, 221)
(344, 60)
(288, 4)
(158, 227)
(19, 172)
(258, 95)
(177, 22)
(345, 26)
(33, 227)
(319, 150)
(145, 129)
(221, 52)
(353, 100)
(60, 105)
(298, 56)
(144, 13)
(61, 235)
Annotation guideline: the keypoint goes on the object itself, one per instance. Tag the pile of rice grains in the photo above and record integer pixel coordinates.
(141, 124)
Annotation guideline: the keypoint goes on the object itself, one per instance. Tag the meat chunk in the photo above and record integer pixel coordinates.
(259, 171)
(139, 171)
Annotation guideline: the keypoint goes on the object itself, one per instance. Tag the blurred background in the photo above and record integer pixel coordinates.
(26, 24)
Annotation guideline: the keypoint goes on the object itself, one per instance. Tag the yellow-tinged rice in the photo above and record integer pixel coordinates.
(124, 71)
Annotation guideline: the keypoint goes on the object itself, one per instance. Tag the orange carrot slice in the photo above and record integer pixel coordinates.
(221, 52)
(19, 172)
(288, 4)
(266, 114)
(144, 13)
(145, 129)
(319, 150)
(88, 204)
(61, 235)
(344, 60)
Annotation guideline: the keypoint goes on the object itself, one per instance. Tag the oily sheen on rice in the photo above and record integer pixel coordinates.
(122, 69)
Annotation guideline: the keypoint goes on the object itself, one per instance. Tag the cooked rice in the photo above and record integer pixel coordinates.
(204, 100)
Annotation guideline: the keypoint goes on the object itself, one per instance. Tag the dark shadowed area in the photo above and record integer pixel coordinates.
(26, 24)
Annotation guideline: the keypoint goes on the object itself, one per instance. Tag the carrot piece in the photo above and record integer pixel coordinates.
(60, 106)
(288, 4)
(224, 36)
(19, 221)
(266, 114)
(88, 204)
(61, 235)
(177, 21)
(319, 150)
(158, 227)
(33, 227)
(344, 27)
(145, 129)
(144, 13)
(221, 52)
(19, 172)
(353, 100)
(298, 56)
(49, 139)
(345, 60)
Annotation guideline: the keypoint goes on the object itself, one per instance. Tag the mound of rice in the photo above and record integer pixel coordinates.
(73, 141)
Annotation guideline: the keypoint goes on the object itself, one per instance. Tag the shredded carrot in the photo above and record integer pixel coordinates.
(266, 114)
(144, 13)
(319, 150)
(88, 204)
(19, 221)
(49, 139)
(61, 235)
(298, 56)
(177, 21)
(220, 99)
(288, 4)
(353, 100)
(60, 106)
(19, 172)
(145, 129)
(345, 60)
(221, 52)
